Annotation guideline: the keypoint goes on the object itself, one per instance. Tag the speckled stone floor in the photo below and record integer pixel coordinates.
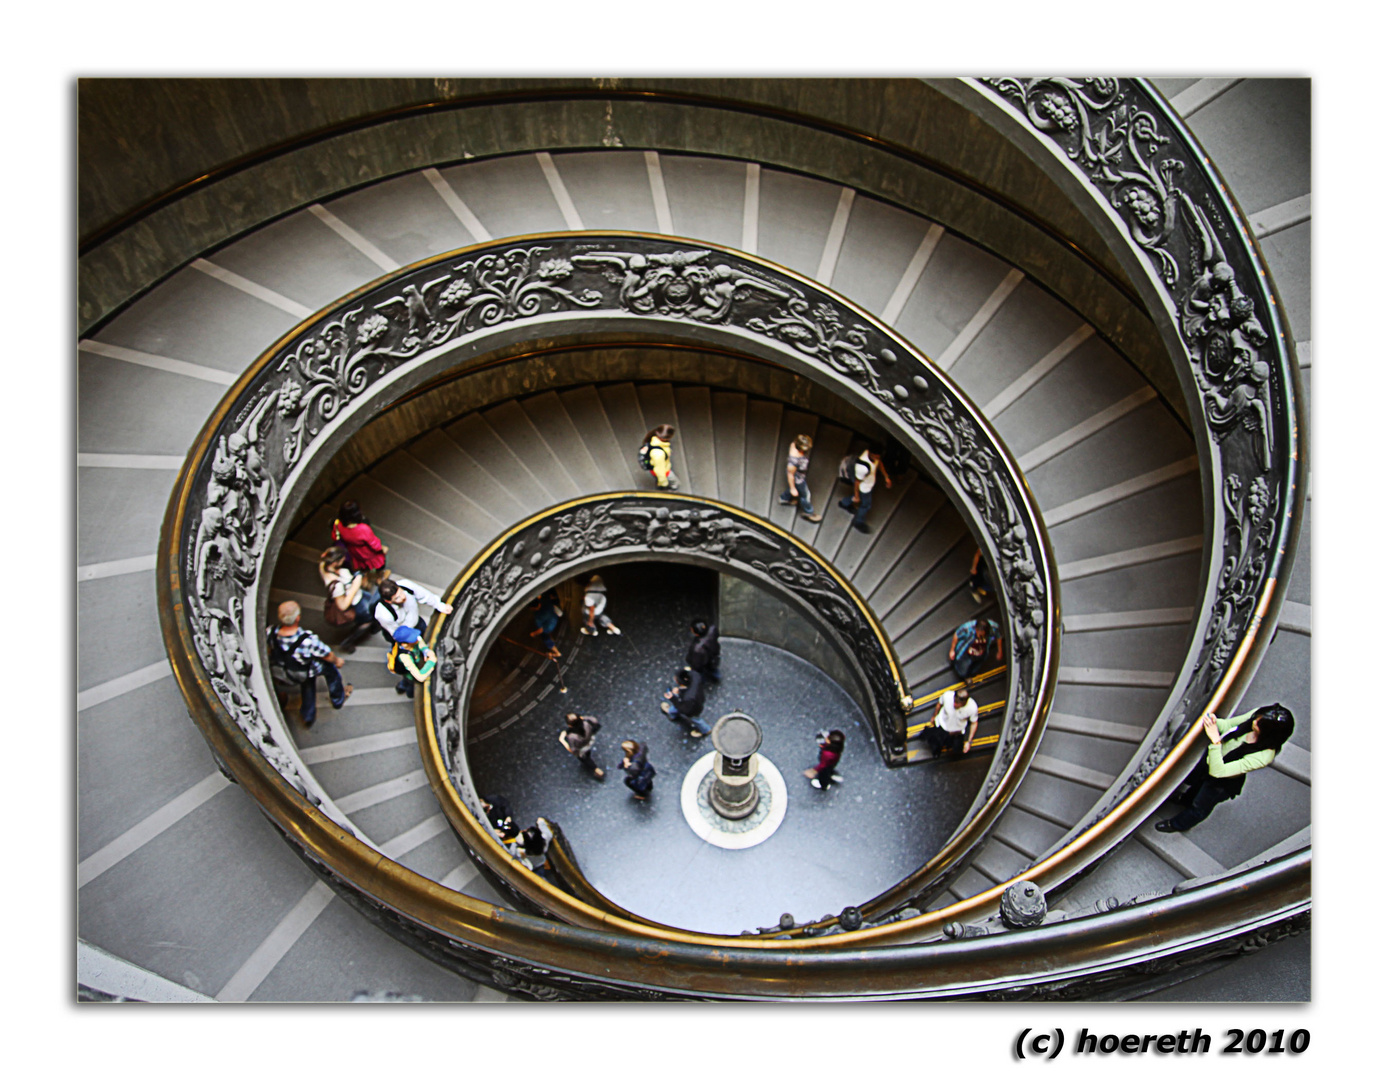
(835, 847)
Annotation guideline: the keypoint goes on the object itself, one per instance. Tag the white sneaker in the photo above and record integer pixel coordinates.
(836, 779)
(817, 785)
(614, 631)
(588, 631)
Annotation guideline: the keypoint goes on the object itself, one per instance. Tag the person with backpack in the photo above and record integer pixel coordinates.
(578, 738)
(640, 772)
(797, 486)
(704, 652)
(399, 605)
(654, 457)
(410, 658)
(348, 603)
(1239, 745)
(974, 640)
(365, 552)
(862, 473)
(300, 654)
(822, 774)
(685, 701)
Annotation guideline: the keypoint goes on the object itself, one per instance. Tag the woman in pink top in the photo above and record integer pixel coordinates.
(365, 552)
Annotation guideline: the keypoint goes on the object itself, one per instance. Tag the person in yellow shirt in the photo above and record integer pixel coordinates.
(655, 456)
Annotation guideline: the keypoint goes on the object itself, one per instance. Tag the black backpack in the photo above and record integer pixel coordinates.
(391, 607)
(644, 456)
(281, 651)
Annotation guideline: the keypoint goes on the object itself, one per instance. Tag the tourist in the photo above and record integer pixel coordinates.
(863, 475)
(797, 486)
(348, 603)
(498, 812)
(831, 745)
(578, 737)
(954, 713)
(979, 586)
(546, 612)
(399, 605)
(970, 648)
(640, 772)
(704, 652)
(365, 552)
(655, 457)
(1238, 745)
(595, 605)
(410, 658)
(685, 701)
(300, 654)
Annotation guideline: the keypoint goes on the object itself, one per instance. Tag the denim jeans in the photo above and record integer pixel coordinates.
(802, 493)
(676, 716)
(967, 666)
(308, 693)
(865, 504)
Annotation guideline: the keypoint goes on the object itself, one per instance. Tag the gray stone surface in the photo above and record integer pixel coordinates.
(878, 245)
(610, 189)
(952, 289)
(404, 217)
(1289, 256)
(194, 903)
(1030, 324)
(114, 414)
(509, 195)
(1168, 512)
(1159, 584)
(119, 512)
(299, 257)
(1089, 380)
(119, 773)
(706, 197)
(201, 320)
(1253, 126)
(796, 212)
(119, 629)
(1146, 439)
(342, 954)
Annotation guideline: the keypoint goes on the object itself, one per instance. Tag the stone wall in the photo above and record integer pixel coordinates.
(747, 611)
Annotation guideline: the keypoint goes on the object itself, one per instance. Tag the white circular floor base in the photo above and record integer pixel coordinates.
(721, 832)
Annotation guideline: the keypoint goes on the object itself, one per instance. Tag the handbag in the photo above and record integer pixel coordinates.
(336, 616)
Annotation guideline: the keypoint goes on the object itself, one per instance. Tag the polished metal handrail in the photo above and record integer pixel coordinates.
(236, 492)
(1213, 304)
(594, 531)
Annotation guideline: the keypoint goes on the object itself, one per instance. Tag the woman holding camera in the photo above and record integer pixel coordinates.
(1238, 746)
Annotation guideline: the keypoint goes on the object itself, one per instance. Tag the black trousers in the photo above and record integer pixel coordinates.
(1205, 794)
(938, 740)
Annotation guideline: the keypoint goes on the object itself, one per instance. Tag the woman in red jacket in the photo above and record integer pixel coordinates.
(365, 552)
(831, 750)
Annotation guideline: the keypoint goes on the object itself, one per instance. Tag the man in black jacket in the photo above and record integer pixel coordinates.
(685, 701)
(703, 653)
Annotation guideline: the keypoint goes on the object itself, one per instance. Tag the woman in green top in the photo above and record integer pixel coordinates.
(1239, 745)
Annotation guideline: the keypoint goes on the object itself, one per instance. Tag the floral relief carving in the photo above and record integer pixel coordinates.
(642, 523)
(1148, 171)
(335, 360)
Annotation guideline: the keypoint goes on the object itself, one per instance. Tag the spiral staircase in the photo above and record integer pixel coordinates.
(184, 889)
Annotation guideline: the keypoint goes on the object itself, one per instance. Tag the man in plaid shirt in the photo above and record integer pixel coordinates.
(301, 653)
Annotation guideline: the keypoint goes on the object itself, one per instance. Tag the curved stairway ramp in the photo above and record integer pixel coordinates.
(137, 814)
